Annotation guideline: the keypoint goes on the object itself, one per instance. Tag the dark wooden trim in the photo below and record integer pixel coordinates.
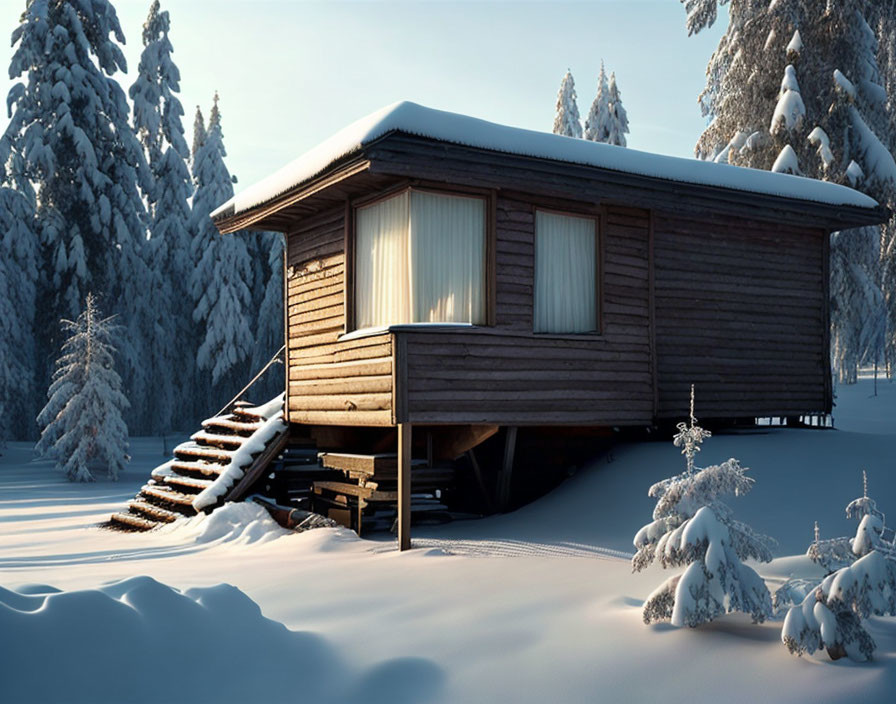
(374, 198)
(348, 282)
(596, 217)
(399, 378)
(600, 267)
(651, 307)
(286, 357)
(491, 259)
(231, 223)
(409, 156)
(826, 324)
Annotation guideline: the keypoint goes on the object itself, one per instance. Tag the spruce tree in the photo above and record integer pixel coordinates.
(693, 528)
(566, 120)
(269, 331)
(617, 126)
(157, 117)
(219, 284)
(70, 118)
(18, 279)
(82, 425)
(599, 114)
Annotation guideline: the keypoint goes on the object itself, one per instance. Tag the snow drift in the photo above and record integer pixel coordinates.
(139, 640)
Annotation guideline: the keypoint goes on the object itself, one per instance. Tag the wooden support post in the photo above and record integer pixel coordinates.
(404, 486)
(477, 472)
(506, 469)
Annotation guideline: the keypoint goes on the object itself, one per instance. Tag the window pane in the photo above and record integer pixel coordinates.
(420, 258)
(565, 274)
(381, 263)
(447, 258)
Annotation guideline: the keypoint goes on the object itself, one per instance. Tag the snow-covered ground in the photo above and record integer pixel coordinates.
(535, 606)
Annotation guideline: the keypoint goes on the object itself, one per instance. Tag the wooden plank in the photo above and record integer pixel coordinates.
(377, 366)
(356, 385)
(258, 466)
(350, 418)
(345, 402)
(404, 486)
(367, 464)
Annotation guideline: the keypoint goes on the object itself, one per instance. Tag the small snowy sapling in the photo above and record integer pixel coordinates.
(82, 423)
(830, 615)
(693, 528)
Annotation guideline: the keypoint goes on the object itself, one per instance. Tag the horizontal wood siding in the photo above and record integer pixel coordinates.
(508, 375)
(740, 313)
(330, 382)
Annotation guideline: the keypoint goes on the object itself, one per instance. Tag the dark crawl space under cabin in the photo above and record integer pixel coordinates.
(453, 284)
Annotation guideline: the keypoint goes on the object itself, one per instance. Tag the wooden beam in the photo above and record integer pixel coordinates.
(404, 486)
(477, 473)
(506, 469)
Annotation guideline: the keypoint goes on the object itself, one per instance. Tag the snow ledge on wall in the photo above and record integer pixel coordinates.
(411, 118)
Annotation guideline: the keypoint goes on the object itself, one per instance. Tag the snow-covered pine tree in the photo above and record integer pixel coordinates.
(219, 283)
(18, 279)
(566, 119)
(831, 616)
(693, 528)
(69, 117)
(157, 117)
(199, 133)
(617, 126)
(846, 130)
(82, 425)
(860, 581)
(599, 114)
(269, 331)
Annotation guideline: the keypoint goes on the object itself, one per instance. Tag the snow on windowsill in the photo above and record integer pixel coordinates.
(410, 118)
(383, 329)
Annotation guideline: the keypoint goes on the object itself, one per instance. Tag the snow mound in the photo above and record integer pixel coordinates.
(410, 118)
(139, 640)
(242, 522)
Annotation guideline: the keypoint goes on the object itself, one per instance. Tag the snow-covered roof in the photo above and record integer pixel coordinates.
(414, 119)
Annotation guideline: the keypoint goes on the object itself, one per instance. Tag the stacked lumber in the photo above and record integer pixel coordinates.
(218, 463)
(366, 497)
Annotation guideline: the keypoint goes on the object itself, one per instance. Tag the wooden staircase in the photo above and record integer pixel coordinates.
(219, 463)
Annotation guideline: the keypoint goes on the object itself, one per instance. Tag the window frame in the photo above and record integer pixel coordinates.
(352, 206)
(598, 217)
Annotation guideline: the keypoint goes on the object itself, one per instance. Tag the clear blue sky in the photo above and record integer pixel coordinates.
(292, 73)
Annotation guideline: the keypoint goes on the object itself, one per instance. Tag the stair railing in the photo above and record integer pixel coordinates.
(274, 360)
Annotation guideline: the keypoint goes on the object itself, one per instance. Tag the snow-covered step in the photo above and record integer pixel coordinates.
(131, 521)
(226, 442)
(190, 484)
(166, 493)
(234, 426)
(205, 468)
(153, 512)
(190, 450)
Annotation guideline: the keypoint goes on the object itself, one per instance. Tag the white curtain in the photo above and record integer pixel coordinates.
(565, 273)
(381, 263)
(420, 257)
(447, 258)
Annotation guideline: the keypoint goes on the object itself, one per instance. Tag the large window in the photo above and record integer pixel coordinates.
(420, 258)
(565, 273)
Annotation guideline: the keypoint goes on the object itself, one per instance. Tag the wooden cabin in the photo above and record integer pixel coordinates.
(451, 274)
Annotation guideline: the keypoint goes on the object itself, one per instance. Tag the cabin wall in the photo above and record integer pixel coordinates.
(330, 382)
(741, 312)
(509, 375)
